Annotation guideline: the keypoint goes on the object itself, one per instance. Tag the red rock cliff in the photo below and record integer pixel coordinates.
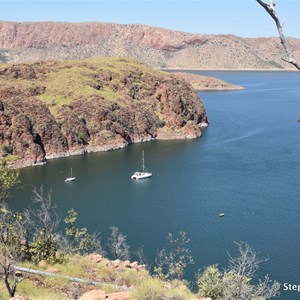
(54, 109)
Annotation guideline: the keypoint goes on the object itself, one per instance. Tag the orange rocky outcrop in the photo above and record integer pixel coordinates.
(101, 295)
(117, 263)
(57, 109)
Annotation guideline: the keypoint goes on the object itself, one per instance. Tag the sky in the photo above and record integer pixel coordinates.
(244, 18)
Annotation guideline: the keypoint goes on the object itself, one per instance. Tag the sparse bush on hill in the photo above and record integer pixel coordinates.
(7, 149)
(11, 231)
(79, 240)
(172, 261)
(151, 289)
(42, 227)
(209, 283)
(156, 289)
(118, 245)
(8, 179)
(11, 252)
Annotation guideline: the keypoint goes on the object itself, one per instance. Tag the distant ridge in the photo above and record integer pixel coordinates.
(158, 47)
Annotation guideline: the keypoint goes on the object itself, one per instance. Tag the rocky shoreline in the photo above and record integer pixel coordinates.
(19, 164)
(57, 109)
(206, 83)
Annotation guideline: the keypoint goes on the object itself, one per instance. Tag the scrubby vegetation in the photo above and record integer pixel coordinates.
(60, 83)
(31, 240)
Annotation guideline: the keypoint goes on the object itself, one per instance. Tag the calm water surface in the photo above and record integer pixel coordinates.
(247, 165)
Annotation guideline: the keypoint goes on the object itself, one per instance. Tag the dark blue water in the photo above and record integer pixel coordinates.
(247, 165)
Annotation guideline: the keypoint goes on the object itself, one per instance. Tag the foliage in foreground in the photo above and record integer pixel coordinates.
(235, 283)
(79, 240)
(8, 179)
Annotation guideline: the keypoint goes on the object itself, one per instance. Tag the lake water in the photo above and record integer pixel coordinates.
(246, 164)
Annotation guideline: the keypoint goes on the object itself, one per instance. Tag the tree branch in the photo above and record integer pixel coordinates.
(270, 9)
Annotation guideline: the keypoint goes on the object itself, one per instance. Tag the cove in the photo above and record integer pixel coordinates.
(245, 165)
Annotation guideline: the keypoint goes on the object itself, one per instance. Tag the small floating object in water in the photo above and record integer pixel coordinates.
(221, 215)
(70, 177)
(40, 163)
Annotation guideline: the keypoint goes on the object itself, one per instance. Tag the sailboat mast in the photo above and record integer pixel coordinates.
(143, 162)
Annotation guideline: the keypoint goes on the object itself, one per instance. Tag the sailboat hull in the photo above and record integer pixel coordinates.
(141, 175)
(70, 179)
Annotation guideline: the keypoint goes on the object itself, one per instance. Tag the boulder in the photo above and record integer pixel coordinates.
(53, 270)
(101, 295)
(93, 295)
(19, 298)
(94, 257)
(118, 296)
(134, 265)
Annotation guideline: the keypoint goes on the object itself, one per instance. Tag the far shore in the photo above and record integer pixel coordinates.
(206, 83)
(229, 70)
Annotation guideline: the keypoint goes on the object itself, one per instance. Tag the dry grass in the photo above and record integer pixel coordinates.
(67, 81)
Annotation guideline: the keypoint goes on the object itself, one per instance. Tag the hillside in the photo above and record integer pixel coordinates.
(54, 109)
(100, 278)
(157, 47)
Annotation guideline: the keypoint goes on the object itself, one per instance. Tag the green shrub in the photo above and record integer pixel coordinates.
(210, 283)
(151, 289)
(24, 143)
(161, 123)
(79, 239)
(7, 149)
(29, 289)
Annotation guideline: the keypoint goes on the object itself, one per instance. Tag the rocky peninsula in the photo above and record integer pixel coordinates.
(206, 83)
(61, 108)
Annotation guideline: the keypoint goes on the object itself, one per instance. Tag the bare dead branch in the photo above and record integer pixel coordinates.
(247, 263)
(270, 9)
(118, 245)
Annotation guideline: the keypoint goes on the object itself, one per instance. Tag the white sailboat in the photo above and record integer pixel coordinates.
(142, 173)
(70, 177)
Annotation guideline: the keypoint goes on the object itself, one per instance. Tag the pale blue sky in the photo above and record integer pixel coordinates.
(240, 17)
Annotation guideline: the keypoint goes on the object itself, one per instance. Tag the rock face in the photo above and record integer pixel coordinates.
(55, 109)
(154, 46)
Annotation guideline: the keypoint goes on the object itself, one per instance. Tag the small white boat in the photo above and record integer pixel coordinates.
(70, 177)
(221, 215)
(41, 163)
(142, 173)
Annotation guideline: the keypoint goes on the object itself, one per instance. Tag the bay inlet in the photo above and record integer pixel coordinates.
(246, 165)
